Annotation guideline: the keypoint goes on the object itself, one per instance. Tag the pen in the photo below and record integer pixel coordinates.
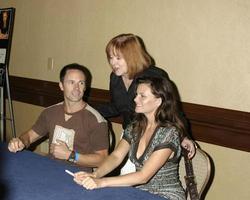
(69, 172)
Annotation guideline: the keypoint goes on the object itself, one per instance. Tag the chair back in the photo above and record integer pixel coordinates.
(201, 167)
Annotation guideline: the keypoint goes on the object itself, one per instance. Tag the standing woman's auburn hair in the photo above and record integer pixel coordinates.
(132, 49)
(167, 113)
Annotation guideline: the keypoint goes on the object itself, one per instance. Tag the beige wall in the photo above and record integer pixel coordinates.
(203, 45)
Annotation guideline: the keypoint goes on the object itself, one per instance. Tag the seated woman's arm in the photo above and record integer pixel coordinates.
(152, 165)
(109, 164)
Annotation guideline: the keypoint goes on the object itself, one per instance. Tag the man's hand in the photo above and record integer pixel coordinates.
(189, 146)
(15, 145)
(60, 150)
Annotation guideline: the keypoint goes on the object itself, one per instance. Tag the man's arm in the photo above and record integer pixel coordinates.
(24, 141)
(60, 150)
(92, 160)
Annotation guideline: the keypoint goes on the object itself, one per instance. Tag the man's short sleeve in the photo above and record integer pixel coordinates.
(40, 126)
(98, 129)
(99, 138)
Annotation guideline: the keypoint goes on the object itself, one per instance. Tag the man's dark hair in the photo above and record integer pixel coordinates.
(81, 68)
(76, 66)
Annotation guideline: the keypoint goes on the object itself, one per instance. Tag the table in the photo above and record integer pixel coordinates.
(26, 175)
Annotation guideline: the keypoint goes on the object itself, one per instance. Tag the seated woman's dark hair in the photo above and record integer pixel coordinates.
(168, 112)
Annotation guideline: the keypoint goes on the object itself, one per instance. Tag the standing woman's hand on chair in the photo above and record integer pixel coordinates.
(189, 146)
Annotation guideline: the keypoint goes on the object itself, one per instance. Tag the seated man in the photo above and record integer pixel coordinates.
(77, 132)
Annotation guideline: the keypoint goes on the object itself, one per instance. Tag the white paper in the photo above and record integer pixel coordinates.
(65, 135)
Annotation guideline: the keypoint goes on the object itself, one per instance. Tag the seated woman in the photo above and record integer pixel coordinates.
(152, 141)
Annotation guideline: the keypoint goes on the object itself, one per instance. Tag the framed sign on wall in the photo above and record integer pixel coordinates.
(7, 16)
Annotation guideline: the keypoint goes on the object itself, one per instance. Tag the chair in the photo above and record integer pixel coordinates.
(201, 167)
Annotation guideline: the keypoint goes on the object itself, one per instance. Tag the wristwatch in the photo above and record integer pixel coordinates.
(72, 157)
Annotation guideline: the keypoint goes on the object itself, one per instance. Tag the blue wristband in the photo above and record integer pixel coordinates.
(76, 156)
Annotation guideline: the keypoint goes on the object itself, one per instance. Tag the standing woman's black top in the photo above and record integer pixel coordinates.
(122, 100)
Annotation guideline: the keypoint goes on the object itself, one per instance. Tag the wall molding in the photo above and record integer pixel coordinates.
(223, 127)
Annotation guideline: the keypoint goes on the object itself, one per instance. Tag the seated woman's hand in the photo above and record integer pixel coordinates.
(90, 183)
(80, 176)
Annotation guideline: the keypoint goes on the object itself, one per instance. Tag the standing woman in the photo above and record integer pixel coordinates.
(128, 58)
(152, 141)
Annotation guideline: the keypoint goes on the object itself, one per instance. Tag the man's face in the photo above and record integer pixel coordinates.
(73, 85)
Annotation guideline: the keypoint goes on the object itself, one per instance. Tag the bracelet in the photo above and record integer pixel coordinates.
(72, 157)
(76, 156)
